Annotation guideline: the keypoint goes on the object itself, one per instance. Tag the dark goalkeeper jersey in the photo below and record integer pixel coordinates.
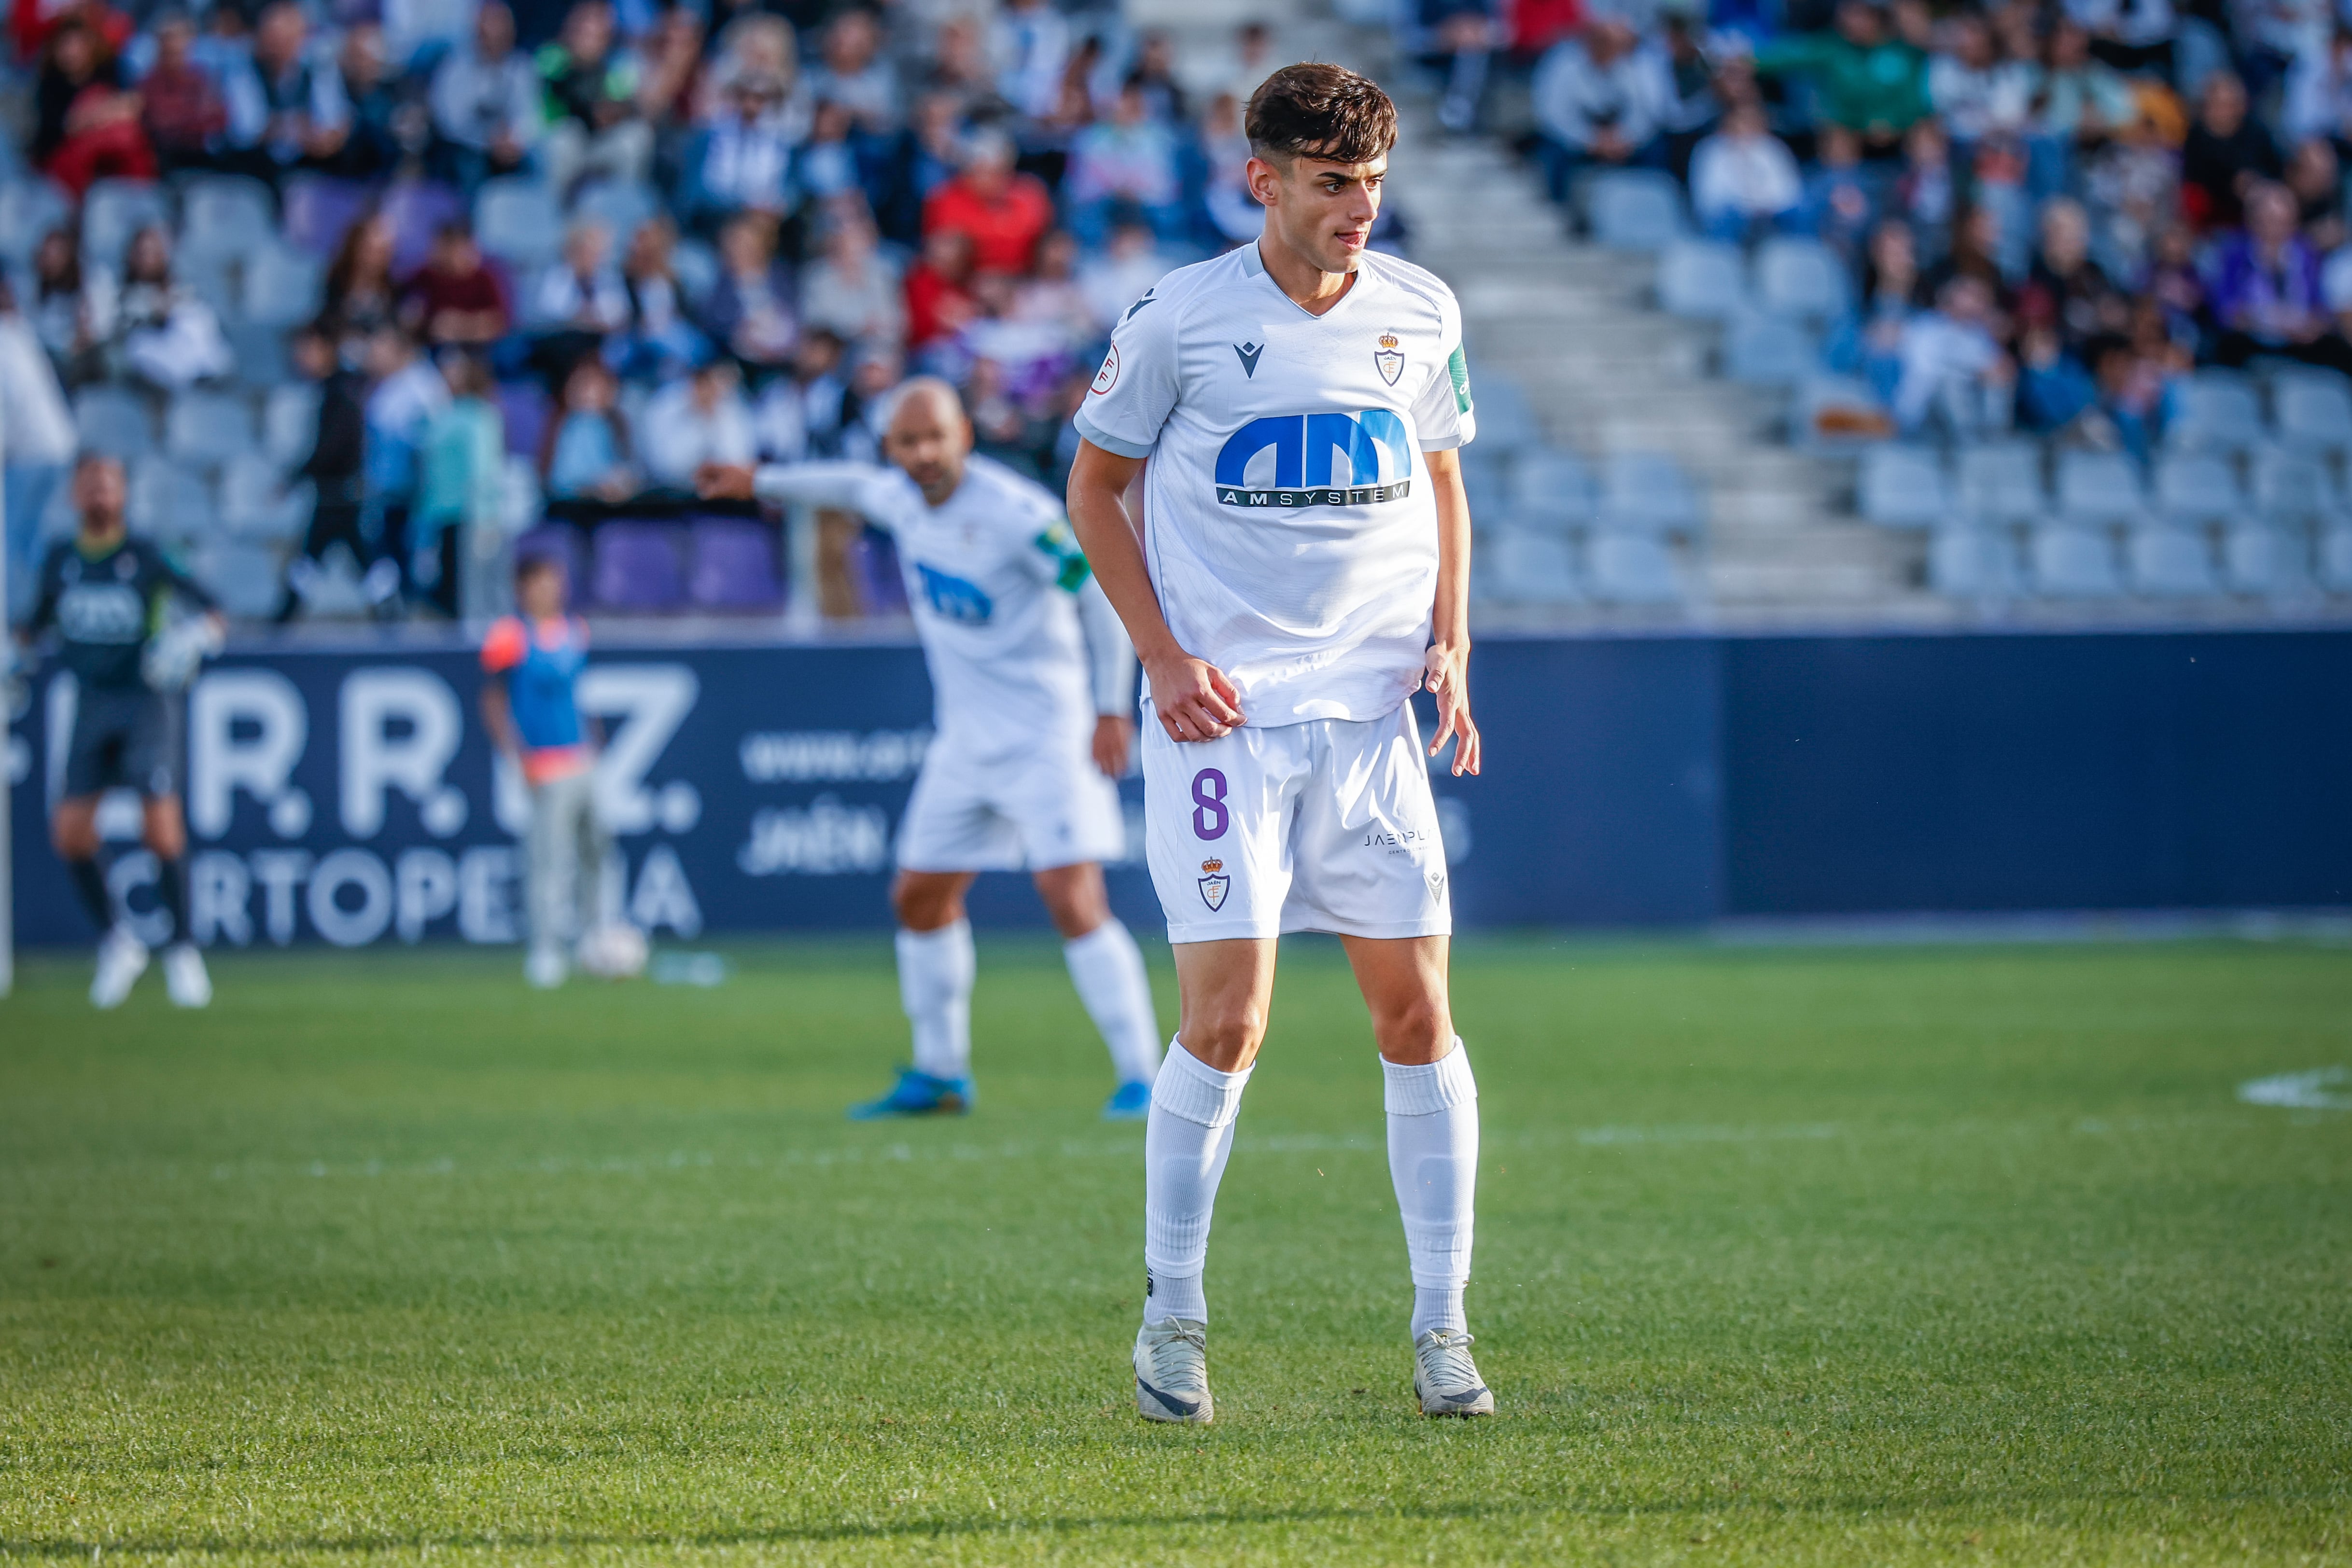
(106, 606)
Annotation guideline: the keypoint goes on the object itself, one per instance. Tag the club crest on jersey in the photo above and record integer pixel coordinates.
(1214, 884)
(1389, 359)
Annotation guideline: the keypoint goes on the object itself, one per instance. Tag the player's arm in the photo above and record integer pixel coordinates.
(1110, 664)
(833, 486)
(1447, 672)
(1193, 698)
(502, 650)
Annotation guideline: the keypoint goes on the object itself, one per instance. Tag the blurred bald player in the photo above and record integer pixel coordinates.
(1034, 686)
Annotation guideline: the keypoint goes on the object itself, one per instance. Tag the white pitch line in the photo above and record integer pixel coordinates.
(2299, 1091)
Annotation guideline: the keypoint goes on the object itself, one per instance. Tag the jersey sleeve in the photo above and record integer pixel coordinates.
(1136, 388)
(850, 487)
(1444, 415)
(44, 607)
(502, 650)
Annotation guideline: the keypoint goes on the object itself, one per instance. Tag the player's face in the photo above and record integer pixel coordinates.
(1321, 210)
(928, 438)
(540, 595)
(99, 493)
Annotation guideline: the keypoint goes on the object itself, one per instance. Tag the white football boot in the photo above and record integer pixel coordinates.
(1445, 1380)
(1171, 1372)
(185, 978)
(121, 959)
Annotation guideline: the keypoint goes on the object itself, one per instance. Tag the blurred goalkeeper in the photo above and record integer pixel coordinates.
(1033, 684)
(114, 603)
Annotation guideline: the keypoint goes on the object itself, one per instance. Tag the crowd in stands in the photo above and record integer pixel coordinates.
(599, 240)
(2048, 213)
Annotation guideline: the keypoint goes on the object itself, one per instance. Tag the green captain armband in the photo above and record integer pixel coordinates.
(1457, 366)
(1070, 562)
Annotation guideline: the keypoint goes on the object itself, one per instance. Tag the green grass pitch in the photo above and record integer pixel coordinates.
(1785, 1256)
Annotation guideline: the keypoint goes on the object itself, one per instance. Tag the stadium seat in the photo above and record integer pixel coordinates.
(1632, 568)
(1701, 278)
(167, 500)
(526, 409)
(516, 220)
(1483, 486)
(1968, 562)
(2099, 487)
(696, 266)
(289, 423)
(243, 576)
(1799, 278)
(114, 421)
(256, 502)
(113, 211)
(1506, 421)
(2291, 484)
(208, 278)
(1635, 209)
(2197, 487)
(2071, 562)
(2313, 409)
(1833, 414)
(734, 565)
(1550, 489)
(2214, 411)
(283, 287)
(874, 568)
(2168, 562)
(622, 209)
(223, 217)
(416, 209)
(2265, 558)
(2002, 483)
(1524, 567)
(205, 430)
(637, 566)
(318, 212)
(1903, 488)
(1646, 491)
(261, 363)
(1768, 351)
(29, 209)
(2336, 558)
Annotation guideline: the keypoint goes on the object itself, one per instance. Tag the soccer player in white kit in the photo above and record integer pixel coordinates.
(1033, 681)
(1303, 567)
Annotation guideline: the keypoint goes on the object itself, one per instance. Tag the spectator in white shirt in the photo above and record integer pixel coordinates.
(1031, 42)
(1596, 102)
(852, 73)
(37, 442)
(577, 301)
(1977, 93)
(1952, 366)
(698, 420)
(852, 290)
(1744, 178)
(485, 100)
(1122, 274)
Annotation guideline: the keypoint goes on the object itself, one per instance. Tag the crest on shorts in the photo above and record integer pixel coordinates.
(1214, 884)
(1389, 359)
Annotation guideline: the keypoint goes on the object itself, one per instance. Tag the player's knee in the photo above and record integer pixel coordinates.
(923, 905)
(165, 833)
(74, 833)
(1227, 1041)
(1414, 1032)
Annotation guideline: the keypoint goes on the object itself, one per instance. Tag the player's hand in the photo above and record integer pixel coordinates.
(1447, 676)
(1191, 696)
(723, 481)
(1114, 734)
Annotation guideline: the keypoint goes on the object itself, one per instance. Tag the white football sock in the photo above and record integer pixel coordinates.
(1107, 968)
(1433, 1161)
(935, 971)
(1185, 1141)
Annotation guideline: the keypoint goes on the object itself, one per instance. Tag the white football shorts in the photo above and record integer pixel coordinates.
(1327, 825)
(1050, 808)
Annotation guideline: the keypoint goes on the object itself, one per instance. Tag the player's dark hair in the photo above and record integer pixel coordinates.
(532, 562)
(1318, 111)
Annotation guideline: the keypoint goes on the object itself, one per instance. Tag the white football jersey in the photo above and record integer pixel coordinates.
(994, 576)
(1289, 524)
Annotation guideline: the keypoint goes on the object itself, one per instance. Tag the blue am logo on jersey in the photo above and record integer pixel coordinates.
(953, 599)
(1316, 460)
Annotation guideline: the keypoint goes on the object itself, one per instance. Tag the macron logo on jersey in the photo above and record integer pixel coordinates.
(1292, 460)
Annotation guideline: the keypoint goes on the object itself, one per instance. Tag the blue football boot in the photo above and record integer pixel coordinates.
(1128, 1103)
(917, 1095)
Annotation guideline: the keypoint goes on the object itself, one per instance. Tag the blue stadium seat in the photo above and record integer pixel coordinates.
(1632, 568)
(225, 216)
(1635, 209)
(1523, 567)
(168, 500)
(1552, 489)
(283, 287)
(1834, 413)
(113, 211)
(2002, 483)
(2215, 412)
(2291, 483)
(696, 265)
(2265, 558)
(2313, 409)
(256, 503)
(1768, 351)
(1799, 278)
(622, 209)
(2099, 487)
(2197, 487)
(261, 362)
(2336, 558)
(2168, 562)
(243, 576)
(516, 220)
(1968, 562)
(1903, 488)
(1647, 491)
(1506, 421)
(1702, 279)
(29, 209)
(205, 430)
(2072, 563)
(114, 421)
(289, 422)
(1483, 487)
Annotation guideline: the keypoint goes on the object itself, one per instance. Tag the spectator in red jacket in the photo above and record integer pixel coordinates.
(939, 287)
(87, 125)
(456, 298)
(1002, 212)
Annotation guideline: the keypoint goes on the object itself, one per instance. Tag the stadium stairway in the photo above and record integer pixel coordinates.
(1575, 326)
